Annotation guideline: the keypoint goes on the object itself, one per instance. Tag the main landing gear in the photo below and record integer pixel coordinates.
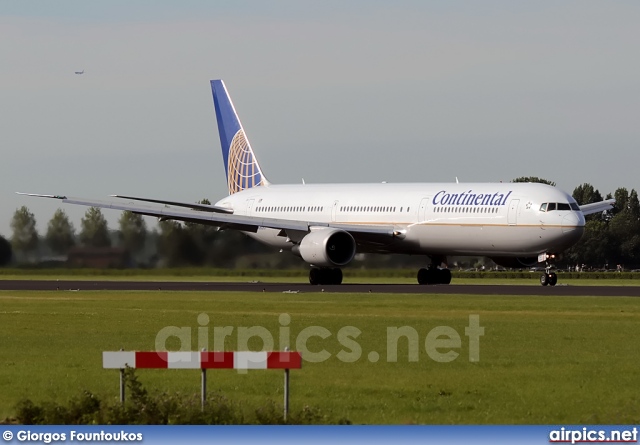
(433, 274)
(548, 278)
(325, 275)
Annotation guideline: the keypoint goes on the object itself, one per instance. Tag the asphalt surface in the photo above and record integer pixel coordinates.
(480, 289)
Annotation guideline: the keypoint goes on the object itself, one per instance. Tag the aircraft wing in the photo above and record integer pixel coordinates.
(596, 207)
(202, 207)
(290, 228)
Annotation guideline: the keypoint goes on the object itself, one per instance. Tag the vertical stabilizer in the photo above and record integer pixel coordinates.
(240, 163)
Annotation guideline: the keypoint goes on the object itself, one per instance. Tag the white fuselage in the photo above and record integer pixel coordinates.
(489, 219)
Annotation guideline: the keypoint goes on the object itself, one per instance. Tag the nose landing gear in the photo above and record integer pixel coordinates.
(548, 278)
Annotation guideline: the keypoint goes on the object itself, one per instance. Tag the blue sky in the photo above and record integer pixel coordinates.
(405, 91)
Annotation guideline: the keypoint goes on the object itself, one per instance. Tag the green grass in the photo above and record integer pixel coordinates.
(542, 359)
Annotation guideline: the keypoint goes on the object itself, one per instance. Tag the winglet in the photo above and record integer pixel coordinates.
(240, 163)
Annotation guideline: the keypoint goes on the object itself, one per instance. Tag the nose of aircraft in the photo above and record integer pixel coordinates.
(572, 222)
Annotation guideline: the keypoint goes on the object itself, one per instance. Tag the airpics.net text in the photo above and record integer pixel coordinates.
(441, 344)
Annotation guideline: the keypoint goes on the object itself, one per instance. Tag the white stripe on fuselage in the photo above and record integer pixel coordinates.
(439, 218)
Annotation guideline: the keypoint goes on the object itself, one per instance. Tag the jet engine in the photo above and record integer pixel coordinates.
(327, 248)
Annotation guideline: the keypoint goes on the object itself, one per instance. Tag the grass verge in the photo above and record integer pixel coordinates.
(542, 359)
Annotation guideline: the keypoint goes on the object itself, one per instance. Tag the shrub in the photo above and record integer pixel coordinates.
(142, 408)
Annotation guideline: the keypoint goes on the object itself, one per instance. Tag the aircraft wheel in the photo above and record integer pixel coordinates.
(335, 276)
(423, 276)
(315, 276)
(325, 276)
(553, 279)
(444, 276)
(434, 276)
(544, 279)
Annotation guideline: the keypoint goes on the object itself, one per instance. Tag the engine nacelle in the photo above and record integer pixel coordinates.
(515, 263)
(327, 248)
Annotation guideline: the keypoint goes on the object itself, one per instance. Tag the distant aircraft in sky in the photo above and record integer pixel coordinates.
(80, 72)
(514, 224)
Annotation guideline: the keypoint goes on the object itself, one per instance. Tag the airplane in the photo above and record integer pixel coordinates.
(514, 224)
(79, 72)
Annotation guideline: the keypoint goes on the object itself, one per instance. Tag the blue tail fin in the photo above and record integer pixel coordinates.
(240, 163)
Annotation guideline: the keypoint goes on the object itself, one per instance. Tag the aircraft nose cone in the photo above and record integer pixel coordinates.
(570, 223)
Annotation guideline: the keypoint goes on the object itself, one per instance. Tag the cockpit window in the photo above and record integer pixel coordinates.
(551, 206)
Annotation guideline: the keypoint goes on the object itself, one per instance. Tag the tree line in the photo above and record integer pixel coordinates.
(611, 238)
(171, 244)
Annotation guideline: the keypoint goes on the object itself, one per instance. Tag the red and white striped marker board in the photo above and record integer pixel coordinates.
(201, 360)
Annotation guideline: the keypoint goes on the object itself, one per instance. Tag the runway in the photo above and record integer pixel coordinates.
(479, 289)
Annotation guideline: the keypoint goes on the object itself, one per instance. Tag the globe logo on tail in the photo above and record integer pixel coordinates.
(243, 171)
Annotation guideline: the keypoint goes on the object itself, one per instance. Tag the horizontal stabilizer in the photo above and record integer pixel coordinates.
(38, 195)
